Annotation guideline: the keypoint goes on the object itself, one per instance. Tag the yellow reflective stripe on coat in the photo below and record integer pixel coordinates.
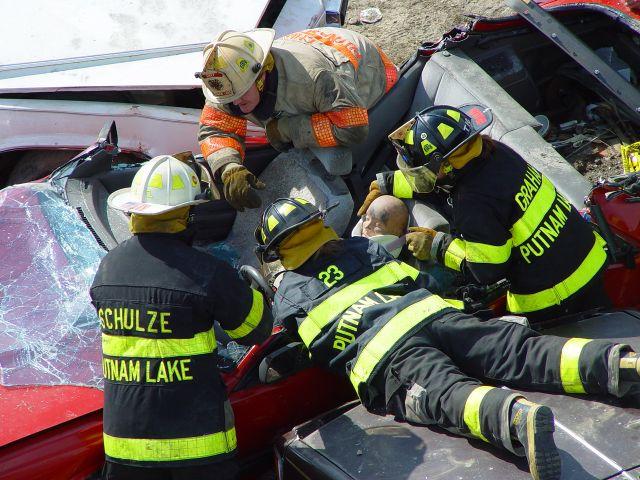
(486, 253)
(542, 202)
(471, 413)
(322, 314)
(561, 291)
(252, 320)
(569, 365)
(455, 254)
(457, 304)
(170, 449)
(385, 339)
(127, 346)
(401, 187)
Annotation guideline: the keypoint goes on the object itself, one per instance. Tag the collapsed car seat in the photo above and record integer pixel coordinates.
(452, 78)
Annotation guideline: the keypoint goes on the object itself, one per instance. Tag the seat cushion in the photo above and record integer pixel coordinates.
(452, 78)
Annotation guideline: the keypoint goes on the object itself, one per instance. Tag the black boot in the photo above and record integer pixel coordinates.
(532, 425)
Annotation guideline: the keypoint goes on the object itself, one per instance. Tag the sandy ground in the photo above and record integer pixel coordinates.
(405, 24)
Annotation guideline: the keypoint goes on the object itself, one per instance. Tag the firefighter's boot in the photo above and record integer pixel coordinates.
(629, 373)
(532, 425)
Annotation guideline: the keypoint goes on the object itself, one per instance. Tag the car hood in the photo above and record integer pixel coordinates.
(121, 45)
(597, 437)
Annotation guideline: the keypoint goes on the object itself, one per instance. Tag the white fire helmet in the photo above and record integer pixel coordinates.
(162, 184)
(233, 62)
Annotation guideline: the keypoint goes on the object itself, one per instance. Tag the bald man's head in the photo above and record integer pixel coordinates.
(387, 215)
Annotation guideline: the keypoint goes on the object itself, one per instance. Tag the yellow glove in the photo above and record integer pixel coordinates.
(275, 137)
(419, 241)
(240, 187)
(374, 192)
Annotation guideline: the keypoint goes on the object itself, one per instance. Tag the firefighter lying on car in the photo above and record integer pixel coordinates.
(166, 412)
(409, 353)
(309, 89)
(507, 219)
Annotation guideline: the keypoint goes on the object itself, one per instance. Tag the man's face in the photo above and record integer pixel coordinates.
(249, 100)
(371, 226)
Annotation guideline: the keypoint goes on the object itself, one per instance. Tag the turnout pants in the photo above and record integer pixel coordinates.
(436, 376)
(224, 470)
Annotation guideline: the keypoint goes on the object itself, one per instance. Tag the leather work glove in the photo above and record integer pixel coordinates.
(419, 241)
(240, 187)
(374, 192)
(275, 137)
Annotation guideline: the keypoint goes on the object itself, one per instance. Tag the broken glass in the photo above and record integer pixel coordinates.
(49, 332)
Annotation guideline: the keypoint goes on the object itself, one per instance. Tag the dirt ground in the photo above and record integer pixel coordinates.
(405, 24)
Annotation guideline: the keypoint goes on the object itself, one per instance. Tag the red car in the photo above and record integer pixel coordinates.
(53, 236)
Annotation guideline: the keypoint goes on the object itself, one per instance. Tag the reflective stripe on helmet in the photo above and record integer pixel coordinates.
(517, 303)
(323, 314)
(390, 334)
(570, 363)
(170, 449)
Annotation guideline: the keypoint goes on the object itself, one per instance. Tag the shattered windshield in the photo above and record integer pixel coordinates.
(48, 329)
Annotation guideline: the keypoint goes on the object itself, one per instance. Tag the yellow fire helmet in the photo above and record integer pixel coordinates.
(233, 62)
(161, 185)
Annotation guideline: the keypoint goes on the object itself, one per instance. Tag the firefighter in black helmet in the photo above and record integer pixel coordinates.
(508, 220)
(409, 353)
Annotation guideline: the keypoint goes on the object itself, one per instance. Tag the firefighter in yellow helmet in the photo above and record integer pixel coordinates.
(166, 412)
(309, 89)
(508, 220)
(409, 353)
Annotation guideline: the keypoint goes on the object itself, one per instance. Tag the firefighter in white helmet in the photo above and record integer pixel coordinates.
(310, 89)
(166, 412)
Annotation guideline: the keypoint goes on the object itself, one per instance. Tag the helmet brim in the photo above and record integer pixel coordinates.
(123, 200)
(263, 37)
(269, 250)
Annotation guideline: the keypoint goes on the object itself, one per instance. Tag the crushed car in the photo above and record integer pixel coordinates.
(517, 71)
(557, 78)
(54, 234)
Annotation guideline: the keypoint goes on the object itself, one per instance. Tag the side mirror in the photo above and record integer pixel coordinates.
(283, 362)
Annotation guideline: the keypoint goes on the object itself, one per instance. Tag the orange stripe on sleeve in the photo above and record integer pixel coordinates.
(349, 117)
(390, 70)
(213, 117)
(321, 126)
(213, 144)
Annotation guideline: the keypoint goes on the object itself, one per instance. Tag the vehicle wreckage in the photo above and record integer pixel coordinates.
(552, 79)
